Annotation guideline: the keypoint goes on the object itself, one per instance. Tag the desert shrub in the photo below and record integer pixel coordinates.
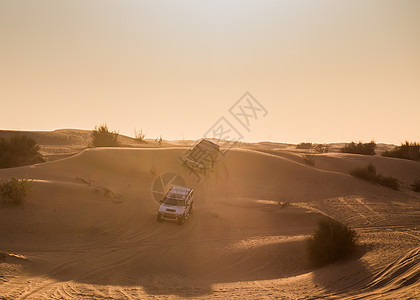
(19, 150)
(416, 185)
(322, 148)
(308, 159)
(15, 190)
(360, 148)
(102, 137)
(304, 146)
(159, 140)
(407, 151)
(139, 136)
(331, 241)
(369, 173)
(388, 181)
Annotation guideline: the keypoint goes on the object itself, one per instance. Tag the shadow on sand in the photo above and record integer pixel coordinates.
(345, 277)
(187, 269)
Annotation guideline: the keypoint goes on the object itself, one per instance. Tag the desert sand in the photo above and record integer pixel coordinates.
(88, 228)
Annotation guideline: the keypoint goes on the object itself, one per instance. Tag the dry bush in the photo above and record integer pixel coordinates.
(369, 173)
(139, 136)
(407, 151)
(102, 137)
(331, 241)
(322, 148)
(304, 146)
(19, 150)
(14, 191)
(159, 140)
(416, 185)
(309, 159)
(360, 148)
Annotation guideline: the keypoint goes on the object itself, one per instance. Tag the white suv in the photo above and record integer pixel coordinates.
(177, 205)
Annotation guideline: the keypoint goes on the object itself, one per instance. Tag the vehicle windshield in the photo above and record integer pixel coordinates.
(174, 202)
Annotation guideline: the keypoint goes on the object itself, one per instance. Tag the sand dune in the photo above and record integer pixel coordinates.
(89, 230)
(62, 143)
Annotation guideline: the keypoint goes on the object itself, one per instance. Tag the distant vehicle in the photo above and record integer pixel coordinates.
(203, 156)
(177, 205)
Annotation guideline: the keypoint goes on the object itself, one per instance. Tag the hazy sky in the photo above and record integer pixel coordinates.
(324, 70)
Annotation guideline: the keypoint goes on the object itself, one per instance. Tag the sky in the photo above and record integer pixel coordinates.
(320, 71)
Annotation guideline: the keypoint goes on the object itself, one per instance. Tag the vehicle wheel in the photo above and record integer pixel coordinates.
(159, 218)
(181, 221)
